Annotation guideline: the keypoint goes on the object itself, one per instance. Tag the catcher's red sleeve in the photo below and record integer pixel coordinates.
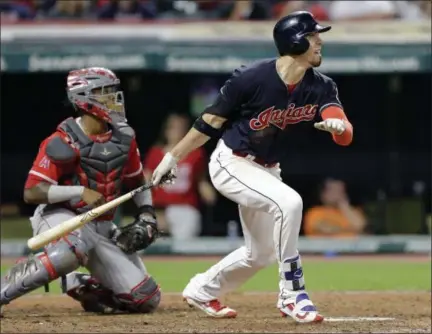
(43, 169)
(335, 112)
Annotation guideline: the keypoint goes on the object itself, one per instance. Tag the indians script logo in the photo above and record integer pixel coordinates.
(282, 117)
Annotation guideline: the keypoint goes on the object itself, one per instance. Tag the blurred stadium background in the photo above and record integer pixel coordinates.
(173, 56)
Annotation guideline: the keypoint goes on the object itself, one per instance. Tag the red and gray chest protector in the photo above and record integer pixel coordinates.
(101, 163)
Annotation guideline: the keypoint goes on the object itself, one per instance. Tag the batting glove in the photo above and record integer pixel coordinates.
(165, 171)
(332, 125)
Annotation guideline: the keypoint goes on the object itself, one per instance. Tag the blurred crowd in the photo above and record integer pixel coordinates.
(334, 215)
(333, 10)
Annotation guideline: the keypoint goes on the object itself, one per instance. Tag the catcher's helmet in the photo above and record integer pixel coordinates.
(290, 32)
(108, 104)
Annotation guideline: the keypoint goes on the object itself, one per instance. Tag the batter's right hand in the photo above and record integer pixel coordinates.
(92, 198)
(332, 125)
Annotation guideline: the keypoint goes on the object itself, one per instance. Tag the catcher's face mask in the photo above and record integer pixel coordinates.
(112, 99)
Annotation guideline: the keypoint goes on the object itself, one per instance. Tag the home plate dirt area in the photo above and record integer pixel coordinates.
(355, 312)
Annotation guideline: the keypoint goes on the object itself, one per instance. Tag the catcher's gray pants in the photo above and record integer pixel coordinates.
(90, 246)
(106, 262)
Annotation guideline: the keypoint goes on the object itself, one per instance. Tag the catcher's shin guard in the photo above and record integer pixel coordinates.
(144, 298)
(37, 270)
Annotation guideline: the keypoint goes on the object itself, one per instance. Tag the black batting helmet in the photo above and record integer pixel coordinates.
(290, 32)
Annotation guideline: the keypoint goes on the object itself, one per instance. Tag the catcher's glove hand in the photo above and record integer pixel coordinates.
(138, 235)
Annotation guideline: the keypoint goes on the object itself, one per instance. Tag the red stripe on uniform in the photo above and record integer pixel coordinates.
(48, 266)
(73, 248)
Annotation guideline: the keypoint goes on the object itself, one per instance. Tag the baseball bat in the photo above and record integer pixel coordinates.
(75, 223)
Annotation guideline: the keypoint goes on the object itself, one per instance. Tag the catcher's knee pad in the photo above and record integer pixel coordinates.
(66, 255)
(59, 258)
(144, 298)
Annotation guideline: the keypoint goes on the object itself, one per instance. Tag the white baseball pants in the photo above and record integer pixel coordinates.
(270, 214)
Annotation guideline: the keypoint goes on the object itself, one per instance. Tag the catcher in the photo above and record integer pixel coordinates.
(83, 164)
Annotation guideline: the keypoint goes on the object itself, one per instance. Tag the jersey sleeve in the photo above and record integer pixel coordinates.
(43, 168)
(134, 167)
(330, 97)
(233, 94)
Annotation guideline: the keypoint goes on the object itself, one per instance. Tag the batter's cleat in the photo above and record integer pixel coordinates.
(301, 309)
(213, 308)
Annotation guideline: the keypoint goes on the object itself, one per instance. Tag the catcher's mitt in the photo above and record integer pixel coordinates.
(138, 235)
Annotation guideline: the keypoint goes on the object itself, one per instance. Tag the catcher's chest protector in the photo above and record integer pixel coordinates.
(101, 163)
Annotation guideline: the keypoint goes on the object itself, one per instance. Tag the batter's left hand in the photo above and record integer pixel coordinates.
(332, 125)
(165, 171)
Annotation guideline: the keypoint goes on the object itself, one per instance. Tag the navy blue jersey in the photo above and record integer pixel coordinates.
(262, 113)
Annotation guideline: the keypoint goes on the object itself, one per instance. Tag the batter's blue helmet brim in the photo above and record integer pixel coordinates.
(319, 28)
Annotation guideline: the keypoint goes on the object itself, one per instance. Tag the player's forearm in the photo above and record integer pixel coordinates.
(37, 194)
(194, 138)
(346, 137)
(143, 200)
(45, 193)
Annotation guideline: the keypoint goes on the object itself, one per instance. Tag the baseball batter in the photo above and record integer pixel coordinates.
(83, 164)
(256, 116)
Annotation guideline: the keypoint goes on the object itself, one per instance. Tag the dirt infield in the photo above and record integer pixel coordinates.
(257, 314)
